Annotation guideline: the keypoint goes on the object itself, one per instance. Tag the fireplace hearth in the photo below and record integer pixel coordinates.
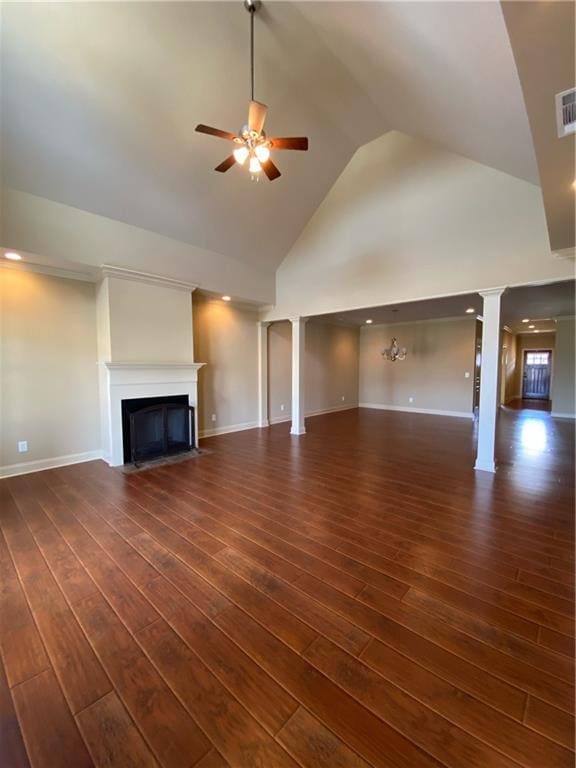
(153, 427)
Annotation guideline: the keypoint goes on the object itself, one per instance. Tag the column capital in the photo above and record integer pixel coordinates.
(298, 318)
(493, 291)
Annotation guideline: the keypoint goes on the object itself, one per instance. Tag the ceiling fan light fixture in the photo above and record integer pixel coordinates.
(241, 155)
(252, 141)
(254, 166)
(262, 152)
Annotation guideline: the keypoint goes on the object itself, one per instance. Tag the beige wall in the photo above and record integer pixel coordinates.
(145, 323)
(331, 368)
(563, 373)
(526, 341)
(225, 338)
(280, 371)
(331, 372)
(508, 367)
(440, 352)
(408, 220)
(49, 381)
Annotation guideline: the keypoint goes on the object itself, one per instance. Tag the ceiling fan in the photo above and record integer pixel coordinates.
(252, 143)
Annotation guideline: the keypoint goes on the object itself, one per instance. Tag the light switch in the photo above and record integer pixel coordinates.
(23, 446)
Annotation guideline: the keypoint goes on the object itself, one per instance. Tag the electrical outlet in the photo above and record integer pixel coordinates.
(282, 407)
(466, 374)
(213, 417)
(410, 399)
(23, 446)
(343, 398)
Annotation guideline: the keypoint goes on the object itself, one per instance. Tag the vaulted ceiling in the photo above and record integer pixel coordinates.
(100, 101)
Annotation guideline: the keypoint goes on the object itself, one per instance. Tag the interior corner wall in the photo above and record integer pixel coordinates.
(226, 339)
(48, 368)
(563, 384)
(330, 368)
(440, 353)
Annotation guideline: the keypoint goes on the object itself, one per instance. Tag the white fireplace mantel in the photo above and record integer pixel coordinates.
(128, 380)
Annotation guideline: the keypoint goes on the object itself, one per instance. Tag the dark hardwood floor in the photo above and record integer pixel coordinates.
(355, 597)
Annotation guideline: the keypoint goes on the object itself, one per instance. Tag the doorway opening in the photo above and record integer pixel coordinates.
(537, 364)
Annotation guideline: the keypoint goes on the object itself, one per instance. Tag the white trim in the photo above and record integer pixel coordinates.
(279, 419)
(406, 409)
(161, 366)
(11, 470)
(485, 467)
(334, 409)
(230, 428)
(46, 269)
(557, 415)
(108, 270)
(310, 414)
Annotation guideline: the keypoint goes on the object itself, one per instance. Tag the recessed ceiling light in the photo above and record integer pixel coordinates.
(526, 320)
(226, 298)
(12, 256)
(531, 326)
(369, 322)
(470, 311)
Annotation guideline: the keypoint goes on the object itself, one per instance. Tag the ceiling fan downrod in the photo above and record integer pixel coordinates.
(252, 6)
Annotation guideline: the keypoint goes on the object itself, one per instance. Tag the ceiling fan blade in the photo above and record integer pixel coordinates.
(294, 142)
(256, 116)
(215, 132)
(270, 170)
(225, 164)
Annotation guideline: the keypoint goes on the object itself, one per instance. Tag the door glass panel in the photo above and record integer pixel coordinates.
(537, 358)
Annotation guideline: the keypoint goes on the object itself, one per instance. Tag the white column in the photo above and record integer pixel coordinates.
(298, 344)
(263, 374)
(489, 374)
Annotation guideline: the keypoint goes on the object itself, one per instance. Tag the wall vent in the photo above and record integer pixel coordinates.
(566, 112)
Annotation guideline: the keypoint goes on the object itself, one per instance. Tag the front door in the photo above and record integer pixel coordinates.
(536, 381)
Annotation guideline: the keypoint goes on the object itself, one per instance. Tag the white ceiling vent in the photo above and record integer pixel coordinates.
(566, 112)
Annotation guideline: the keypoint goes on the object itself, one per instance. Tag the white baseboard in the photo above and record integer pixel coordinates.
(334, 409)
(11, 470)
(318, 412)
(280, 419)
(557, 415)
(406, 409)
(226, 430)
(481, 466)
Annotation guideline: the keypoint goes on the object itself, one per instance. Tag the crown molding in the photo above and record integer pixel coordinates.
(565, 253)
(108, 270)
(123, 366)
(45, 269)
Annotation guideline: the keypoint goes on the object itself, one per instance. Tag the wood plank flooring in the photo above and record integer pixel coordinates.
(357, 597)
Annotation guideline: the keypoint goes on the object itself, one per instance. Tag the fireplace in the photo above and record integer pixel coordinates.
(156, 426)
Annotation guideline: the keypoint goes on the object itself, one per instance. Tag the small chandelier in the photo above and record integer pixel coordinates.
(394, 352)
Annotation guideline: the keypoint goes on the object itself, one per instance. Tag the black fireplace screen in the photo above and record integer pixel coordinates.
(157, 427)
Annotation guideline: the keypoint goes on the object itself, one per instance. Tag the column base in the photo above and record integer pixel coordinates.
(297, 430)
(485, 466)
(264, 423)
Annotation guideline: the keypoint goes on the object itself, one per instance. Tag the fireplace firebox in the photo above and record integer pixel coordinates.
(156, 426)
